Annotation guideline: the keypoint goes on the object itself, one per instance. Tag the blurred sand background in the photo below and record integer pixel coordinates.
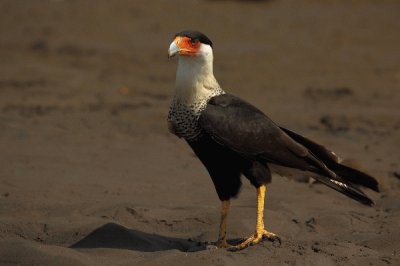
(89, 174)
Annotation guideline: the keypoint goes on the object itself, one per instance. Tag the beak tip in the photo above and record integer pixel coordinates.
(173, 50)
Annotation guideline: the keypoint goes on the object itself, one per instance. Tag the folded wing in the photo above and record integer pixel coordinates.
(243, 128)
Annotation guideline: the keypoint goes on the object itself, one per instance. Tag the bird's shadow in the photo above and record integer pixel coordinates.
(113, 235)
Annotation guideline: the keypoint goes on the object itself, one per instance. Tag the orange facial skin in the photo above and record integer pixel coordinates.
(186, 46)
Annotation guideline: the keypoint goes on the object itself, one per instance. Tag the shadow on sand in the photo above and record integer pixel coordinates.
(113, 235)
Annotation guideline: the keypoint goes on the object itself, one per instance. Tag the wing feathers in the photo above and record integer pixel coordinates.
(243, 128)
(332, 162)
(320, 151)
(347, 189)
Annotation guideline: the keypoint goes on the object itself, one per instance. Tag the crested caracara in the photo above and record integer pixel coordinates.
(232, 138)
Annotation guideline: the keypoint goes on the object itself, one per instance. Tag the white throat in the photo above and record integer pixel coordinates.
(195, 79)
(195, 86)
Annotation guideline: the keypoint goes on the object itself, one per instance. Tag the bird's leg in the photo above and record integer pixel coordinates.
(260, 232)
(221, 243)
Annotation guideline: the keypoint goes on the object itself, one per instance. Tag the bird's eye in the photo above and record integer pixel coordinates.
(194, 41)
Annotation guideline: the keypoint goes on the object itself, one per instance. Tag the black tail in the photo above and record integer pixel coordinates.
(345, 188)
(347, 177)
(354, 176)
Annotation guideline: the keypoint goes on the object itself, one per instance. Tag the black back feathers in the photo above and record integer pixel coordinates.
(195, 35)
(246, 131)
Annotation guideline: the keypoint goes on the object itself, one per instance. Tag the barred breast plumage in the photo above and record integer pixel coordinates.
(183, 117)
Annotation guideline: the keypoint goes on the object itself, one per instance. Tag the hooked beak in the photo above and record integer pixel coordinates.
(183, 46)
(173, 49)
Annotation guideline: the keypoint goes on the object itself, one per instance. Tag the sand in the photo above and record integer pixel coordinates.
(90, 175)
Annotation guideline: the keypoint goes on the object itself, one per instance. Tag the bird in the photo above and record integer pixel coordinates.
(233, 138)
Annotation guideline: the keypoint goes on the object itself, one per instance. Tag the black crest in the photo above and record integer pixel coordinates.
(195, 35)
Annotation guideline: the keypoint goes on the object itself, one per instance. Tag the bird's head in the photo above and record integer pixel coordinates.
(191, 44)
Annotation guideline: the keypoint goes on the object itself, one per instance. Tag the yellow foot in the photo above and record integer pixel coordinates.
(256, 238)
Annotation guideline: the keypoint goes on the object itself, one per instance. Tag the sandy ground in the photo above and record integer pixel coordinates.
(89, 174)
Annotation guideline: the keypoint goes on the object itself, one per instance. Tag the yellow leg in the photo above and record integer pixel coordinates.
(260, 232)
(221, 243)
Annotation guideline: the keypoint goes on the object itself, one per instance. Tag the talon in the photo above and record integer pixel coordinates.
(222, 244)
(255, 239)
(260, 233)
(278, 240)
(232, 249)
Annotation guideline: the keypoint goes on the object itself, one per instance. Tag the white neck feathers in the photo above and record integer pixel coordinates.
(195, 79)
